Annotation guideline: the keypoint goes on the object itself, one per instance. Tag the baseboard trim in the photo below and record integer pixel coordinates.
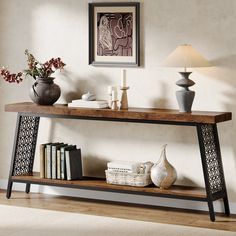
(126, 198)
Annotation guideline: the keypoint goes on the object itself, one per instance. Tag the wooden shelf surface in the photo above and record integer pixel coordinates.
(132, 114)
(100, 184)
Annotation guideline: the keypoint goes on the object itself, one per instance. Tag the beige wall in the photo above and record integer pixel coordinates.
(60, 28)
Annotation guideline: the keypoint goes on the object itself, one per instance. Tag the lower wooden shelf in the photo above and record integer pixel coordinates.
(99, 184)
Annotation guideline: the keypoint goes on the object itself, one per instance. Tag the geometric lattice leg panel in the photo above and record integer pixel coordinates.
(212, 158)
(25, 145)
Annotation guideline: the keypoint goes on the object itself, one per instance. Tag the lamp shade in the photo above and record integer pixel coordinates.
(185, 56)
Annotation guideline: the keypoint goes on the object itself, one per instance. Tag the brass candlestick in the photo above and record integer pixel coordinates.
(124, 98)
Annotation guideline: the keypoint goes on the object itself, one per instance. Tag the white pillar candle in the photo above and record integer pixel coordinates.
(109, 89)
(114, 95)
(123, 78)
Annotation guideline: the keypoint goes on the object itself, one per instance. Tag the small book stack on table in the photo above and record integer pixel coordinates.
(88, 104)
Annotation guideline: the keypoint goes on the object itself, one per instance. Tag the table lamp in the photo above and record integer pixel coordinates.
(185, 56)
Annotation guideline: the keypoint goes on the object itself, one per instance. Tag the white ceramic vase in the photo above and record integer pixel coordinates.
(163, 174)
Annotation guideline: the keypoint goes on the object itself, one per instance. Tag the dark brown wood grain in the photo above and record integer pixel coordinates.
(90, 182)
(139, 114)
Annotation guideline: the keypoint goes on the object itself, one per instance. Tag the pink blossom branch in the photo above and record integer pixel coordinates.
(11, 78)
(35, 69)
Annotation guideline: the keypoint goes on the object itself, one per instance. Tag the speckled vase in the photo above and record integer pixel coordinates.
(163, 174)
(44, 91)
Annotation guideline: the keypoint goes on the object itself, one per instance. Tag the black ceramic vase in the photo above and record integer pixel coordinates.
(44, 91)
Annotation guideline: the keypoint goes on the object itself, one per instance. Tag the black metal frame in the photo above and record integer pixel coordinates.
(25, 143)
(92, 6)
(212, 167)
(23, 149)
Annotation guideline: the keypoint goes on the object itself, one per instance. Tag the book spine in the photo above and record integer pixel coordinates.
(54, 162)
(87, 106)
(68, 169)
(121, 170)
(42, 161)
(80, 166)
(49, 161)
(62, 163)
(58, 164)
(45, 163)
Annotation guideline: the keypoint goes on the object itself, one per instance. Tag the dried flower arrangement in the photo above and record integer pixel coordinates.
(35, 69)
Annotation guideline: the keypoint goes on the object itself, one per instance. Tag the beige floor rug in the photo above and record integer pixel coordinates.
(21, 221)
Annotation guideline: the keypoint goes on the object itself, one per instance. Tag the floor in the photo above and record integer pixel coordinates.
(157, 214)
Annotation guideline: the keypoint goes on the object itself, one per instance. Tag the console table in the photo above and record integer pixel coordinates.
(27, 125)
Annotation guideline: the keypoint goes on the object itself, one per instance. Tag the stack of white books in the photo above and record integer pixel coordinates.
(123, 166)
(130, 167)
(88, 104)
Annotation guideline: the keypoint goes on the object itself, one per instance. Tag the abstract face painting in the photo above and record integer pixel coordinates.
(114, 34)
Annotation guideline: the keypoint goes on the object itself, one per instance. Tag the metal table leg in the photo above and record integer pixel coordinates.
(23, 148)
(212, 167)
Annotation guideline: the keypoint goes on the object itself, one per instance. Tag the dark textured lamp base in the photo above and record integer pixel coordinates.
(185, 100)
(185, 96)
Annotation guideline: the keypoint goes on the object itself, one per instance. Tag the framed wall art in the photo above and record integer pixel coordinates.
(114, 34)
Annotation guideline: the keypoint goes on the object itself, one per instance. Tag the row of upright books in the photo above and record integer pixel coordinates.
(60, 161)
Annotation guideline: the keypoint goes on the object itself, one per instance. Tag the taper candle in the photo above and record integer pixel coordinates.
(123, 78)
